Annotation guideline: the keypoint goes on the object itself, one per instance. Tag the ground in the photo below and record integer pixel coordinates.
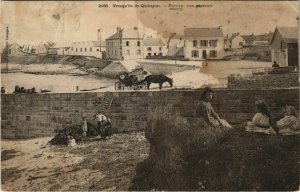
(94, 165)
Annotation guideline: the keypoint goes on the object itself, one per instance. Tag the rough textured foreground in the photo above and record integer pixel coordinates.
(94, 165)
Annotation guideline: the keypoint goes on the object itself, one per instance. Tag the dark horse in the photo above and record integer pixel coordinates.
(157, 79)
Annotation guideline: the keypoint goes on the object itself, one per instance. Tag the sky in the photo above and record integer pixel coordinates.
(37, 21)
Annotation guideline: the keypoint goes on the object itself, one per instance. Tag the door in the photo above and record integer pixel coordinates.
(204, 54)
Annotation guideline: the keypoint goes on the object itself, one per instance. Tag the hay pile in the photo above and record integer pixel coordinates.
(65, 135)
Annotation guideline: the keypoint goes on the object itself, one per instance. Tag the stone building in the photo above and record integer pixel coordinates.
(154, 47)
(86, 48)
(284, 46)
(125, 44)
(203, 43)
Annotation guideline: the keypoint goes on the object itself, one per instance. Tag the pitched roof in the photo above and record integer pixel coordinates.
(203, 32)
(97, 43)
(126, 34)
(289, 34)
(153, 42)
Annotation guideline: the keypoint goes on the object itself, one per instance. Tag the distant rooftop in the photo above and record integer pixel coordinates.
(203, 32)
(290, 34)
(153, 42)
(126, 34)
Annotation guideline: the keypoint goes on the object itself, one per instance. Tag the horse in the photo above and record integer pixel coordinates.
(157, 79)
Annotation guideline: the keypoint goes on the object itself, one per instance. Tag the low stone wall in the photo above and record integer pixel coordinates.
(264, 81)
(37, 115)
(162, 68)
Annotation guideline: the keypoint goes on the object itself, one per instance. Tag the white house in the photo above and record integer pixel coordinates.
(203, 43)
(236, 41)
(86, 48)
(154, 47)
(125, 44)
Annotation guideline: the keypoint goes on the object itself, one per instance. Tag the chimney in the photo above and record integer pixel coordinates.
(118, 29)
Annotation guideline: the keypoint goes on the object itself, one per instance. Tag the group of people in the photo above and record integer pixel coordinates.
(19, 89)
(103, 126)
(261, 122)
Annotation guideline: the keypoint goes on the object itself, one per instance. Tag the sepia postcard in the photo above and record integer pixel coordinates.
(154, 95)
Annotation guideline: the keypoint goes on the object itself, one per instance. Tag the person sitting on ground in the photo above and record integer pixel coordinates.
(17, 89)
(207, 113)
(84, 128)
(289, 124)
(275, 64)
(262, 120)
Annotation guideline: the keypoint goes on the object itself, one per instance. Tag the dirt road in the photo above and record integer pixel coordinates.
(95, 165)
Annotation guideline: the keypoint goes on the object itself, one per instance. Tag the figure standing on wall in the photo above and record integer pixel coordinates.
(206, 112)
(275, 64)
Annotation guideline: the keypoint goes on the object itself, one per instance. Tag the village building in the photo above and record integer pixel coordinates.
(125, 44)
(284, 46)
(175, 46)
(86, 48)
(257, 40)
(235, 41)
(203, 43)
(154, 47)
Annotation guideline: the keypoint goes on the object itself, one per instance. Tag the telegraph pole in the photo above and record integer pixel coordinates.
(7, 33)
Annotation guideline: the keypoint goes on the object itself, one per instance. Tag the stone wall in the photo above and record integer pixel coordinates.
(264, 81)
(37, 115)
(162, 68)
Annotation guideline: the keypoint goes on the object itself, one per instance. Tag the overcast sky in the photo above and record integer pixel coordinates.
(79, 21)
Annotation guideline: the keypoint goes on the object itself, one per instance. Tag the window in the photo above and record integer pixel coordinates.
(203, 43)
(84, 49)
(76, 49)
(195, 43)
(91, 49)
(115, 52)
(149, 49)
(213, 43)
(160, 48)
(160, 54)
(80, 49)
(72, 48)
(127, 43)
(154, 53)
(138, 43)
(138, 52)
(127, 52)
(97, 49)
(149, 54)
(9, 51)
(212, 53)
(195, 53)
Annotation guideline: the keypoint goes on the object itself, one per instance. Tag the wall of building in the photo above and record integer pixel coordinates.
(113, 48)
(188, 48)
(37, 115)
(264, 81)
(133, 49)
(155, 50)
(237, 42)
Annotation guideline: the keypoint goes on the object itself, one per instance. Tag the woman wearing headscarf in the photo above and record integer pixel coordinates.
(206, 111)
(289, 124)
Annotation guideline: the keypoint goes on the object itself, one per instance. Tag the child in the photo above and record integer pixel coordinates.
(289, 124)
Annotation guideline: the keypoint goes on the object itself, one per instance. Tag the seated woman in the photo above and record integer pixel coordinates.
(289, 124)
(262, 121)
(207, 113)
